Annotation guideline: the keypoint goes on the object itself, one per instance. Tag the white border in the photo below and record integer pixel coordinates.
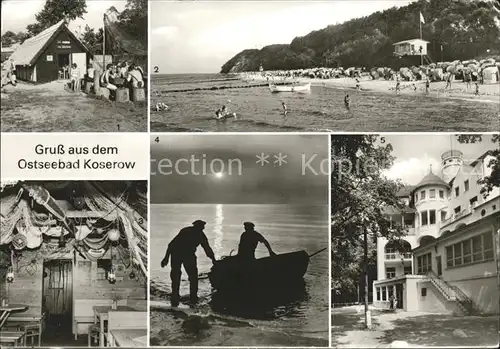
(148, 281)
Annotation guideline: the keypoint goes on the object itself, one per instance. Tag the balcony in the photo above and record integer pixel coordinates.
(396, 256)
(410, 230)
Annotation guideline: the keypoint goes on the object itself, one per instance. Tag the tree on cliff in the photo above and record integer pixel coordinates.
(465, 29)
(54, 11)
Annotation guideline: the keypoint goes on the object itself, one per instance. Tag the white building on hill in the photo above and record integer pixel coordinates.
(448, 262)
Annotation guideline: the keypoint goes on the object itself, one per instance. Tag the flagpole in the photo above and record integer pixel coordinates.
(103, 43)
(420, 23)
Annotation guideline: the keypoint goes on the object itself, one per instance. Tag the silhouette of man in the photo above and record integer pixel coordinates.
(249, 241)
(182, 249)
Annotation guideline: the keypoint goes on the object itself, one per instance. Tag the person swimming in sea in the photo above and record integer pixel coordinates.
(223, 113)
(347, 101)
(160, 106)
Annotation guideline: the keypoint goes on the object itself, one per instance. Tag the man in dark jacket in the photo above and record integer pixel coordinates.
(182, 250)
(249, 241)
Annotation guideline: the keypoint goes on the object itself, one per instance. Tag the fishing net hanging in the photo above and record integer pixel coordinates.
(132, 223)
(118, 40)
(24, 227)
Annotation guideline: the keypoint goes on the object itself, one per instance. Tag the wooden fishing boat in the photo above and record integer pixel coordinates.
(293, 88)
(232, 273)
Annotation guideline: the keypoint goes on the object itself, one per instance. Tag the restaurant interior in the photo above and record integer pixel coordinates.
(73, 264)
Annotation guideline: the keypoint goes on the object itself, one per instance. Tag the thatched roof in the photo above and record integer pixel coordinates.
(90, 217)
(29, 51)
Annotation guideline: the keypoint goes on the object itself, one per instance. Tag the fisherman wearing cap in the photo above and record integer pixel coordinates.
(182, 249)
(249, 241)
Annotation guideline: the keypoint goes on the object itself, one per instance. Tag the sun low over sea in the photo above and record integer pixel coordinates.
(298, 320)
(323, 109)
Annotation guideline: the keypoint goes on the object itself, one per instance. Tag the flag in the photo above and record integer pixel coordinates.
(422, 20)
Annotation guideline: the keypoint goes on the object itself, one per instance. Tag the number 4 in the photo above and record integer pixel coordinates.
(157, 139)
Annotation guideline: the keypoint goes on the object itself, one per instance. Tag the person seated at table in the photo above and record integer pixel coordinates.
(105, 80)
(75, 77)
(124, 69)
(135, 77)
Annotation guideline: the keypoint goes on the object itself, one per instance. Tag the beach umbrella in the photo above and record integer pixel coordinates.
(437, 74)
(473, 67)
(451, 69)
(490, 74)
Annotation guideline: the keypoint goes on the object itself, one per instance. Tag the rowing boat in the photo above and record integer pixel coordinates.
(233, 273)
(296, 88)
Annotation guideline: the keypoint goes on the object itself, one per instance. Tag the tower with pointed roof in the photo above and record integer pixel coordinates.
(451, 162)
(430, 197)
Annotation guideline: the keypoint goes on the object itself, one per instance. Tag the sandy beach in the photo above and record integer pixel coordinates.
(488, 93)
(51, 108)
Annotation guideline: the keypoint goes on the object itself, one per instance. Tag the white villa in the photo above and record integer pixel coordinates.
(449, 262)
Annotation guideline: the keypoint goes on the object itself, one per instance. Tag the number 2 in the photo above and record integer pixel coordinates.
(156, 69)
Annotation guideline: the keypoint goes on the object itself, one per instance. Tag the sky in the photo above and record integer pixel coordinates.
(416, 152)
(18, 14)
(200, 36)
(243, 182)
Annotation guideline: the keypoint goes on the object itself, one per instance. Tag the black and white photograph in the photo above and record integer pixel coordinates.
(73, 264)
(239, 240)
(74, 66)
(415, 240)
(355, 66)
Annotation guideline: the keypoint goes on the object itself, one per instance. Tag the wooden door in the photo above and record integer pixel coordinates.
(58, 287)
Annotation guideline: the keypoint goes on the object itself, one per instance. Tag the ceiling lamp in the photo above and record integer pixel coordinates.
(113, 235)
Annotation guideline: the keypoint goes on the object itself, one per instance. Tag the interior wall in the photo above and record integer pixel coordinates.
(28, 286)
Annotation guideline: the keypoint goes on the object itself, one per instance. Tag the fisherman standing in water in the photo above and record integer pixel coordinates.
(182, 249)
(347, 101)
(358, 85)
(249, 241)
(427, 86)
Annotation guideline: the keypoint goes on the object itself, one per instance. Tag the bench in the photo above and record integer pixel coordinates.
(14, 338)
(32, 326)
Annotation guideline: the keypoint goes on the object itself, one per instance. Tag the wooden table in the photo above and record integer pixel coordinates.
(14, 337)
(101, 315)
(8, 309)
(130, 338)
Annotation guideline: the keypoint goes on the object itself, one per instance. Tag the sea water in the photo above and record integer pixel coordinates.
(322, 109)
(287, 228)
